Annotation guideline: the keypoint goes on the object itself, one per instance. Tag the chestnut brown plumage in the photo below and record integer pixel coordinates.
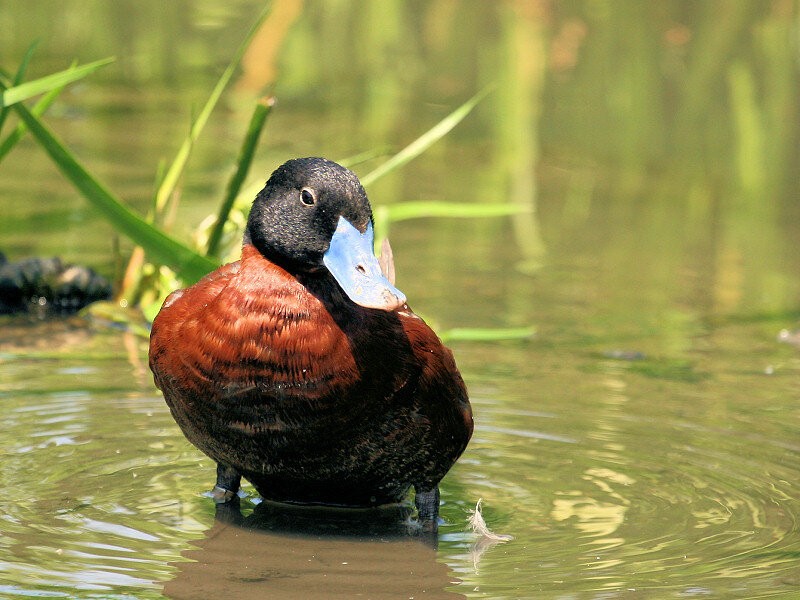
(305, 373)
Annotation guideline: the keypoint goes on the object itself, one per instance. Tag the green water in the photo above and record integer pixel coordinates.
(644, 444)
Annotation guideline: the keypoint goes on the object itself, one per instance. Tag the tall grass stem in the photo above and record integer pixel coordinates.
(243, 162)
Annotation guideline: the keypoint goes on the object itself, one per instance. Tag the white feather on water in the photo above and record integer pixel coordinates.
(479, 526)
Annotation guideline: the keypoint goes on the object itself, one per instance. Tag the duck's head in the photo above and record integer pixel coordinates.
(313, 214)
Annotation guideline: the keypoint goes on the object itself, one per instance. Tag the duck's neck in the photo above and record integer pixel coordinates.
(263, 273)
(250, 253)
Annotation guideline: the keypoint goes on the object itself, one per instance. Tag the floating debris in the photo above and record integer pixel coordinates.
(478, 525)
(486, 537)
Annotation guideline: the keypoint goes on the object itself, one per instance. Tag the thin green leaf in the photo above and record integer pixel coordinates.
(162, 247)
(386, 214)
(26, 90)
(434, 208)
(477, 334)
(426, 140)
(19, 78)
(171, 178)
(23, 66)
(38, 109)
(243, 162)
(361, 157)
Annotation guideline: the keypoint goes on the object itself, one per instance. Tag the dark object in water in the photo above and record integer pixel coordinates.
(46, 284)
(383, 522)
(301, 368)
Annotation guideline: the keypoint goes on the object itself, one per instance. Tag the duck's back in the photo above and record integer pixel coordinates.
(309, 396)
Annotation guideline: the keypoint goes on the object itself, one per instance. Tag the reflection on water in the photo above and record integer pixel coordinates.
(297, 552)
(644, 444)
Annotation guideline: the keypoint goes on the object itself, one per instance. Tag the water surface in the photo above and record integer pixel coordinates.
(645, 443)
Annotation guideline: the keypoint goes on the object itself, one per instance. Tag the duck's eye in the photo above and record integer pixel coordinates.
(307, 196)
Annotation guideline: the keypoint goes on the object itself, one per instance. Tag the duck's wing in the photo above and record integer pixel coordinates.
(247, 336)
(178, 321)
(439, 390)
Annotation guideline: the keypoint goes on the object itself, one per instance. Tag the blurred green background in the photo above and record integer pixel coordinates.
(660, 135)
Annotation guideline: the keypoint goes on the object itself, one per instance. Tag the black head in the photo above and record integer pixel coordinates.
(294, 217)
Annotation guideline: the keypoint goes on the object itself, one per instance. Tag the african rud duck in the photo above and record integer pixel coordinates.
(301, 367)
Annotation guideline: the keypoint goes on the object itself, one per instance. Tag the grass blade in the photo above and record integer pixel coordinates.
(18, 78)
(477, 334)
(243, 162)
(361, 157)
(23, 91)
(162, 247)
(38, 110)
(386, 214)
(173, 174)
(426, 140)
(23, 66)
(434, 208)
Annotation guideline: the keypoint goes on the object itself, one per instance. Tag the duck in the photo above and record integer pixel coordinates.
(301, 367)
